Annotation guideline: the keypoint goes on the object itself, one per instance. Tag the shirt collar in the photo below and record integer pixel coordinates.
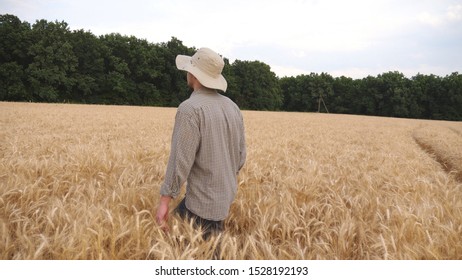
(204, 91)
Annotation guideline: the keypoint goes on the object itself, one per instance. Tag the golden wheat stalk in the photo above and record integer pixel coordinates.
(82, 182)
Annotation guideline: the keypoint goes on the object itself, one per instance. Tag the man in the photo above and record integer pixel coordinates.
(208, 147)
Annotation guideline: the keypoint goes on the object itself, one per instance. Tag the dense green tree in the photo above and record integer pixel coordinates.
(233, 89)
(14, 58)
(425, 88)
(451, 101)
(257, 86)
(322, 89)
(117, 85)
(394, 95)
(15, 40)
(172, 81)
(305, 93)
(367, 97)
(291, 93)
(90, 71)
(12, 87)
(46, 62)
(51, 72)
(344, 95)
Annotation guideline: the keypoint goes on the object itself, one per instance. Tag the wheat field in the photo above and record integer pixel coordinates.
(82, 182)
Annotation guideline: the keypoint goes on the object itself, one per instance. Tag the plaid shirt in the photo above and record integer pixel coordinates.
(208, 150)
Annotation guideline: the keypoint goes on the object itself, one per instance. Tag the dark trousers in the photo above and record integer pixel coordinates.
(209, 227)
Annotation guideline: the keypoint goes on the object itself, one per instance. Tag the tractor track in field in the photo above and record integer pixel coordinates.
(446, 165)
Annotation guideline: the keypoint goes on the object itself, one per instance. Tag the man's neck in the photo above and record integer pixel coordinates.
(198, 86)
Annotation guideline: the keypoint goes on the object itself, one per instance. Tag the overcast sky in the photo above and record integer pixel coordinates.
(354, 38)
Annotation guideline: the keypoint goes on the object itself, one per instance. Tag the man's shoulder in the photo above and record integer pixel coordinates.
(186, 107)
(229, 102)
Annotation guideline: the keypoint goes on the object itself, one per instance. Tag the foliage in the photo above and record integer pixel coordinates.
(47, 62)
(257, 86)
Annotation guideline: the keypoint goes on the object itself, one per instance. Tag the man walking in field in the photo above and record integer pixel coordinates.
(208, 147)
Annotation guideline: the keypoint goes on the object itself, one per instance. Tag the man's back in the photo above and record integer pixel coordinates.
(208, 140)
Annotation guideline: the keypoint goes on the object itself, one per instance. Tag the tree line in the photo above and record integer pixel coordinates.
(48, 62)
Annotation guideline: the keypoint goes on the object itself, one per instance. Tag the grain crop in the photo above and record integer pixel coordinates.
(82, 182)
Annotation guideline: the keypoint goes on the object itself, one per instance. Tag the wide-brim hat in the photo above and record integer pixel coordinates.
(206, 65)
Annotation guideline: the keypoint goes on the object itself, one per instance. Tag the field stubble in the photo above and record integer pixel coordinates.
(82, 182)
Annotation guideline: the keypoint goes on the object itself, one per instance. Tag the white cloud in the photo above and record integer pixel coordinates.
(454, 13)
(451, 14)
(431, 19)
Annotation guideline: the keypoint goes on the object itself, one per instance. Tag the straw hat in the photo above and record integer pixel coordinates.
(206, 65)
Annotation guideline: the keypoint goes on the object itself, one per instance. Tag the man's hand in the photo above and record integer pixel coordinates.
(162, 213)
